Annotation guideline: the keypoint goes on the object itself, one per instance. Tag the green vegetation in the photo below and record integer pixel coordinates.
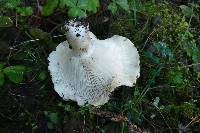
(166, 97)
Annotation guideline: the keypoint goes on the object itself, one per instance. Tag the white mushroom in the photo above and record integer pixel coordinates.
(93, 68)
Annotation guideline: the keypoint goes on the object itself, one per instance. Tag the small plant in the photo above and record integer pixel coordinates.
(53, 119)
(115, 4)
(75, 7)
(8, 6)
(14, 73)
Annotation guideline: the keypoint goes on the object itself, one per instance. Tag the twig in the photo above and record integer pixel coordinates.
(117, 118)
(37, 18)
(16, 20)
(4, 116)
(154, 30)
(56, 27)
(194, 120)
(163, 118)
(25, 42)
(84, 124)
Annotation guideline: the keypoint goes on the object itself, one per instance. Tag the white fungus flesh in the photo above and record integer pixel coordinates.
(93, 68)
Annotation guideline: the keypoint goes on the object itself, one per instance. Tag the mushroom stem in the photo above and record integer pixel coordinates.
(78, 36)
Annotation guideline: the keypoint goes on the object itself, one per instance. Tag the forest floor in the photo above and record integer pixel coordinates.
(166, 97)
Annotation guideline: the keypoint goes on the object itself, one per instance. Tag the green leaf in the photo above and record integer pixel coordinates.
(70, 3)
(39, 34)
(49, 8)
(5, 21)
(113, 7)
(151, 56)
(25, 11)
(198, 75)
(163, 49)
(123, 4)
(15, 73)
(75, 12)
(54, 118)
(187, 11)
(50, 125)
(176, 77)
(12, 3)
(1, 66)
(2, 80)
(42, 75)
(89, 5)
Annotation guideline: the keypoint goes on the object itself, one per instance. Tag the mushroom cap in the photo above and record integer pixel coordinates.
(90, 77)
